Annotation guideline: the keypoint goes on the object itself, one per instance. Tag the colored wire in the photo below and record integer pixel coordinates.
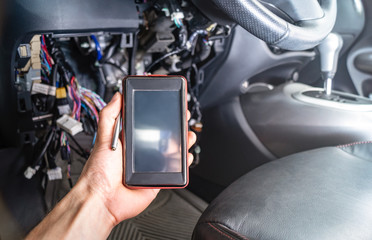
(124, 71)
(75, 101)
(81, 150)
(45, 50)
(69, 175)
(46, 61)
(64, 142)
(94, 138)
(98, 47)
(91, 107)
(148, 68)
(74, 92)
(176, 23)
(94, 97)
(91, 115)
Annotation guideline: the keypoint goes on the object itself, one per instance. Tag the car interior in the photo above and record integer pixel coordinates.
(280, 96)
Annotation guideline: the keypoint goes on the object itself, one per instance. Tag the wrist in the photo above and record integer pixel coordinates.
(92, 205)
(81, 214)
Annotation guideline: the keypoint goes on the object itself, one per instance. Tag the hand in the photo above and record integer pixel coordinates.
(99, 200)
(103, 172)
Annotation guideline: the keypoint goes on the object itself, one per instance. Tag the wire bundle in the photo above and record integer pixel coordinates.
(178, 22)
(65, 146)
(70, 98)
(83, 97)
(74, 94)
(93, 98)
(46, 60)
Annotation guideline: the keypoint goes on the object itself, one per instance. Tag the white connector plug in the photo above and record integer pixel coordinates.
(29, 173)
(54, 174)
(69, 124)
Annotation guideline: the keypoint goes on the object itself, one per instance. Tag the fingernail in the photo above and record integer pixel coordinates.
(116, 95)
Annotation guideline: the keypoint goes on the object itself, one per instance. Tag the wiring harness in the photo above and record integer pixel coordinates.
(71, 108)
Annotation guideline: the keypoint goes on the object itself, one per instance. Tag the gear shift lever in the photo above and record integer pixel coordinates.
(329, 50)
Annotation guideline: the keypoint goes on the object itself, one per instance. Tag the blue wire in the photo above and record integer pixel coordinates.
(179, 22)
(94, 119)
(98, 47)
(45, 61)
(94, 138)
(42, 41)
(176, 23)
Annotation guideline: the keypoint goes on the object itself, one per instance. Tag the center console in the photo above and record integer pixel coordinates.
(295, 117)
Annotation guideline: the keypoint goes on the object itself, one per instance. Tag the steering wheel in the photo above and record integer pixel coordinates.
(307, 23)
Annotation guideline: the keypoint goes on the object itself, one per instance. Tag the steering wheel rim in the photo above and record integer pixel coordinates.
(264, 24)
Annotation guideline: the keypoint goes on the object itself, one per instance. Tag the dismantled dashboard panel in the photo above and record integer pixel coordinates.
(24, 19)
(62, 76)
(63, 79)
(67, 76)
(62, 84)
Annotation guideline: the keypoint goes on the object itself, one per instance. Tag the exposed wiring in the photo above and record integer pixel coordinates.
(94, 138)
(64, 143)
(98, 47)
(178, 22)
(45, 51)
(78, 152)
(193, 90)
(81, 150)
(94, 97)
(149, 67)
(46, 61)
(69, 174)
(56, 71)
(74, 89)
(124, 71)
(189, 45)
(44, 146)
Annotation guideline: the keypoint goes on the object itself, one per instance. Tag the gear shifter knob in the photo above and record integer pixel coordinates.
(329, 50)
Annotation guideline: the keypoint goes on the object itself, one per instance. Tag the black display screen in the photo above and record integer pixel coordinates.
(157, 133)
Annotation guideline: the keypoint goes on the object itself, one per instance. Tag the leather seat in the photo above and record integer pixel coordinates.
(324, 193)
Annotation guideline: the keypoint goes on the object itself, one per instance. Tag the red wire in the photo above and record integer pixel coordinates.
(76, 98)
(48, 57)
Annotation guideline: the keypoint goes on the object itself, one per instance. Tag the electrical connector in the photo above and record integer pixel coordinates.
(62, 102)
(177, 15)
(35, 52)
(61, 93)
(43, 89)
(24, 51)
(29, 173)
(31, 77)
(64, 109)
(69, 124)
(54, 174)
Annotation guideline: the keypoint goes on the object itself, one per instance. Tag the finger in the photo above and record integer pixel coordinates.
(188, 115)
(191, 139)
(190, 159)
(107, 118)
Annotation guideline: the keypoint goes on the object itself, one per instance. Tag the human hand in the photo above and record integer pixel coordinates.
(103, 172)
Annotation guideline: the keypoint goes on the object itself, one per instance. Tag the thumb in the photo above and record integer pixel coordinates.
(107, 119)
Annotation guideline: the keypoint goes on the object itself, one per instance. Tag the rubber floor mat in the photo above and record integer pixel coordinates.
(172, 215)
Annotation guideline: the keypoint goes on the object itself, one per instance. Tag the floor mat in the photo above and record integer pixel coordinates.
(172, 215)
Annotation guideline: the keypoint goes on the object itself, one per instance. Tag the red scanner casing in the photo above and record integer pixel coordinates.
(152, 180)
